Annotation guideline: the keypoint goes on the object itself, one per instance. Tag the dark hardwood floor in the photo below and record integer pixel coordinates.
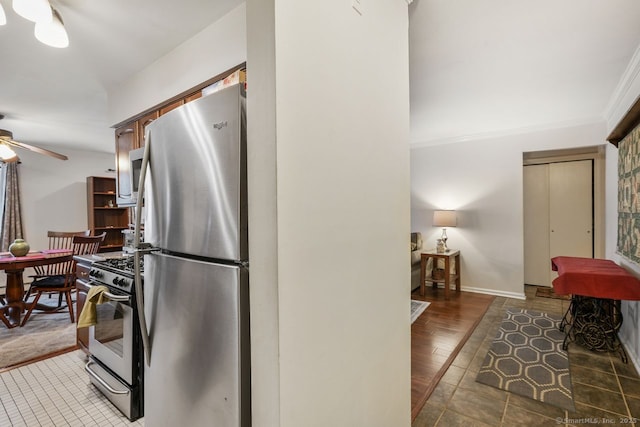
(438, 335)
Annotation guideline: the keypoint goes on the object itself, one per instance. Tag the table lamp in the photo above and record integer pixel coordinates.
(444, 219)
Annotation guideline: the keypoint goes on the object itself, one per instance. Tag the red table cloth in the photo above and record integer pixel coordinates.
(597, 278)
(7, 257)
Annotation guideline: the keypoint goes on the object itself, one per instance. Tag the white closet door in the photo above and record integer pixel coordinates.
(536, 225)
(558, 216)
(571, 209)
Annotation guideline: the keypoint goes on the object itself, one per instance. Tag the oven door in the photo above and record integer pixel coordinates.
(111, 338)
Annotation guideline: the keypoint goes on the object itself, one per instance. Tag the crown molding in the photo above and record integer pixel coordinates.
(507, 132)
(625, 94)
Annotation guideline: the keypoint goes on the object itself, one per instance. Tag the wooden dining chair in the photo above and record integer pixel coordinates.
(57, 240)
(63, 283)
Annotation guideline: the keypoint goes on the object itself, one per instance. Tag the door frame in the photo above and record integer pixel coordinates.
(595, 153)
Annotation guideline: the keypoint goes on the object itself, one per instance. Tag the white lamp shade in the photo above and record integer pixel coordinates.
(3, 17)
(33, 10)
(7, 154)
(52, 33)
(444, 218)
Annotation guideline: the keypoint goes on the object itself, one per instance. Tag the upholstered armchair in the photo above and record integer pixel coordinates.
(416, 249)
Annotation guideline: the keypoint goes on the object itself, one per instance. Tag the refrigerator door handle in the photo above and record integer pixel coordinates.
(139, 249)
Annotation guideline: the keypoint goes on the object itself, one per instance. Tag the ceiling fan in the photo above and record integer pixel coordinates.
(8, 155)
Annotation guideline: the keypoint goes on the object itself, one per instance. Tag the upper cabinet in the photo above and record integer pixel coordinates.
(141, 126)
(131, 135)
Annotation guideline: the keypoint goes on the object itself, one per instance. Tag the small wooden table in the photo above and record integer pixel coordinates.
(14, 267)
(446, 256)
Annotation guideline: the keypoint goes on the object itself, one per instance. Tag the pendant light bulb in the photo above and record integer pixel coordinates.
(33, 10)
(7, 154)
(52, 33)
(3, 17)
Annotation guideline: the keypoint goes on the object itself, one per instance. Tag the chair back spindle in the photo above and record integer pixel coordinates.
(63, 283)
(59, 240)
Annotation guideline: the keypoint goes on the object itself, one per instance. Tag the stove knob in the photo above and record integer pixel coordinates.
(122, 282)
(115, 281)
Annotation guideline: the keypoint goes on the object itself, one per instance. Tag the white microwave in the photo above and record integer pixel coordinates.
(135, 164)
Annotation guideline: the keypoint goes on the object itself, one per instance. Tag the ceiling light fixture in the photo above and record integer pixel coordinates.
(7, 154)
(33, 10)
(52, 33)
(49, 28)
(3, 17)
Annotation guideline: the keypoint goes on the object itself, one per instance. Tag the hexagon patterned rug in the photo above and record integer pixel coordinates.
(527, 358)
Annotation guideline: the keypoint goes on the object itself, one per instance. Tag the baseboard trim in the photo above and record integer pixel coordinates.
(505, 294)
(486, 291)
(630, 355)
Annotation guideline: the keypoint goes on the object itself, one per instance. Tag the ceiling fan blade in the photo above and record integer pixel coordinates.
(37, 149)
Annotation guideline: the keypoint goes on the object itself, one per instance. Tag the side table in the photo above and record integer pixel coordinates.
(446, 256)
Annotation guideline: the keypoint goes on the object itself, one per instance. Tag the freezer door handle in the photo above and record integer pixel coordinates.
(145, 249)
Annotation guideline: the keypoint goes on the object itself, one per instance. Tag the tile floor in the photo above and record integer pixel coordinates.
(53, 393)
(606, 391)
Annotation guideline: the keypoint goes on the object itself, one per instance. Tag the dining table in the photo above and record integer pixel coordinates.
(14, 306)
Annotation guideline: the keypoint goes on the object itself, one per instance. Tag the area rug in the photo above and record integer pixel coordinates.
(417, 308)
(545, 292)
(526, 358)
(43, 334)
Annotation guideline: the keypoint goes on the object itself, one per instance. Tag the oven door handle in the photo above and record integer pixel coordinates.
(102, 382)
(113, 297)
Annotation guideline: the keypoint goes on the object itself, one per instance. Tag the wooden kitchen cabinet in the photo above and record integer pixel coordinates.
(193, 96)
(82, 288)
(171, 106)
(141, 125)
(104, 215)
(130, 135)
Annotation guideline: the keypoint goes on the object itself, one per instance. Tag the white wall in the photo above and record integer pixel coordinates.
(328, 198)
(53, 192)
(342, 98)
(263, 214)
(339, 136)
(482, 180)
(217, 48)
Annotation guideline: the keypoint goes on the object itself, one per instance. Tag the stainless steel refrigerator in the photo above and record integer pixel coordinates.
(196, 278)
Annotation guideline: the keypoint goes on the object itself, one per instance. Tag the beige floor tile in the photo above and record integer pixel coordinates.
(481, 407)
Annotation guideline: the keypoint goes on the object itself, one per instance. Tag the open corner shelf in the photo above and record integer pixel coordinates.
(103, 213)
